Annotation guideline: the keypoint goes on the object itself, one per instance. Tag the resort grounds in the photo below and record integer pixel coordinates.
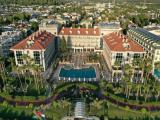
(103, 98)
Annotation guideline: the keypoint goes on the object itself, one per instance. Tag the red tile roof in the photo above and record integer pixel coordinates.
(80, 31)
(37, 41)
(118, 42)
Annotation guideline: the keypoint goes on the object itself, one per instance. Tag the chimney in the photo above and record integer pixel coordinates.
(78, 32)
(94, 32)
(70, 32)
(37, 34)
(33, 37)
(123, 40)
(86, 32)
(30, 37)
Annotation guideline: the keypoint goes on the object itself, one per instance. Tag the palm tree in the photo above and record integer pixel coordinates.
(65, 103)
(130, 87)
(34, 69)
(18, 71)
(97, 104)
(11, 60)
(125, 81)
(142, 66)
(117, 64)
(138, 90)
(146, 91)
(128, 71)
(138, 63)
(3, 73)
(109, 86)
(102, 84)
(148, 67)
(157, 90)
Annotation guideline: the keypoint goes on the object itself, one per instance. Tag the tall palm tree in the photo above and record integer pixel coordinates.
(97, 104)
(157, 90)
(138, 63)
(146, 91)
(138, 88)
(128, 71)
(142, 66)
(148, 67)
(18, 71)
(3, 73)
(11, 60)
(117, 64)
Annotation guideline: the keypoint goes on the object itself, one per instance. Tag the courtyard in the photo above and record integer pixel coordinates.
(78, 68)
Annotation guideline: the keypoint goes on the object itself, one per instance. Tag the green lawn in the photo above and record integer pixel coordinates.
(115, 113)
(11, 113)
(26, 113)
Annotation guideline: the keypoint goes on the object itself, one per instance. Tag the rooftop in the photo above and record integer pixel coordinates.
(118, 42)
(146, 34)
(80, 110)
(37, 41)
(80, 31)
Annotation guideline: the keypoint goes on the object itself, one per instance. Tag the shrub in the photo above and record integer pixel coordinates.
(127, 108)
(30, 105)
(143, 110)
(5, 103)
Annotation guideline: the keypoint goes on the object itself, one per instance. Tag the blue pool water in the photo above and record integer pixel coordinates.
(157, 73)
(78, 73)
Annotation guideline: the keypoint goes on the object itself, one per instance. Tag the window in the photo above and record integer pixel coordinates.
(119, 57)
(36, 57)
(136, 55)
(19, 57)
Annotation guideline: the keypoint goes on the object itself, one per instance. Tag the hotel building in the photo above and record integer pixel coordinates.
(40, 46)
(82, 39)
(149, 41)
(119, 48)
(109, 27)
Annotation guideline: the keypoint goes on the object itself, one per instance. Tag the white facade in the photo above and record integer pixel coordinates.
(81, 39)
(34, 49)
(109, 27)
(52, 28)
(118, 49)
(149, 41)
(82, 43)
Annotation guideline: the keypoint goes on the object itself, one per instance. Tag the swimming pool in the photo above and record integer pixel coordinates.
(157, 73)
(82, 73)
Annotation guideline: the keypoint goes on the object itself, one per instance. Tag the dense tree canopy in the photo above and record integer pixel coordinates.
(31, 2)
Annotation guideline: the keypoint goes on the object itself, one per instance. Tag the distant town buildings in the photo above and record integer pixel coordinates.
(40, 46)
(7, 40)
